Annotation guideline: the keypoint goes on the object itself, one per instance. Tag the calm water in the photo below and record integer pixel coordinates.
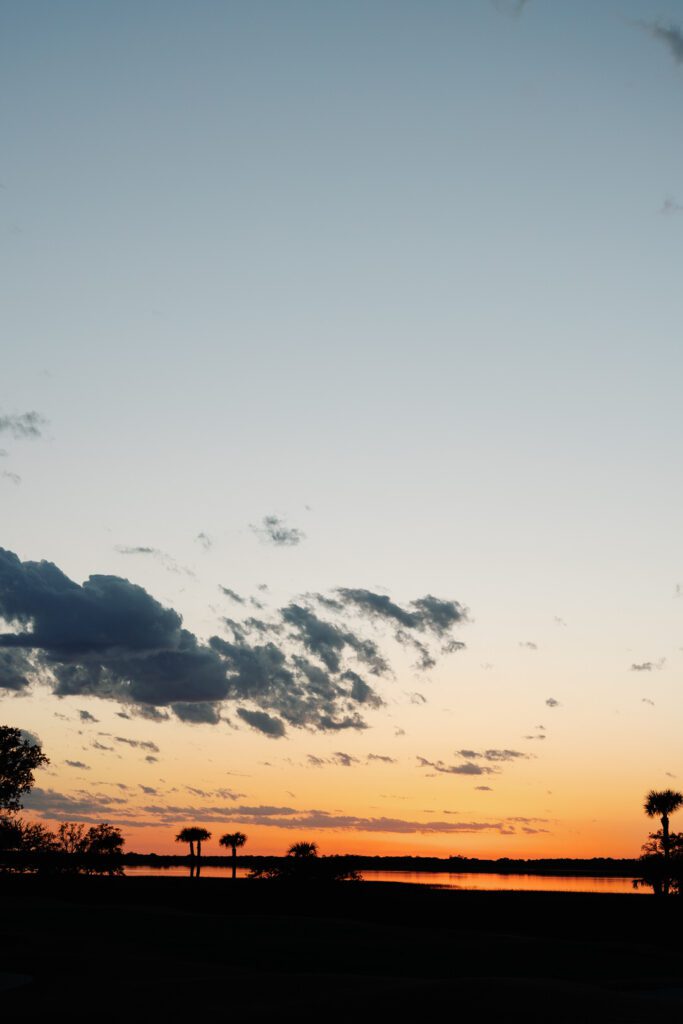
(465, 880)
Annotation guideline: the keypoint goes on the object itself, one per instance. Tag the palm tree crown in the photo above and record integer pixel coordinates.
(662, 803)
(233, 840)
(303, 850)
(193, 834)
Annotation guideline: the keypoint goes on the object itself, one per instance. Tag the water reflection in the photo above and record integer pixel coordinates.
(448, 880)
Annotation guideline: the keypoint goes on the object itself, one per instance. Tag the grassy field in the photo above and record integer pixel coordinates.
(181, 948)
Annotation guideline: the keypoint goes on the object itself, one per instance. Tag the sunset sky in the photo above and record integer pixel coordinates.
(340, 419)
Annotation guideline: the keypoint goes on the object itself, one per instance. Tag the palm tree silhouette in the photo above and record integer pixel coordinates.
(660, 804)
(303, 850)
(193, 835)
(233, 840)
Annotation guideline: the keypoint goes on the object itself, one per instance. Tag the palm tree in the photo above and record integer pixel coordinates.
(233, 840)
(660, 804)
(193, 835)
(303, 850)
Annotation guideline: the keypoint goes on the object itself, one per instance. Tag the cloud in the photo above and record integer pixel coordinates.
(491, 755)
(668, 208)
(142, 744)
(77, 764)
(513, 8)
(426, 614)
(3, 453)
(467, 768)
(670, 36)
(15, 669)
(22, 426)
(231, 594)
(328, 642)
(262, 722)
(169, 563)
(200, 711)
(552, 703)
(648, 666)
(109, 638)
(85, 716)
(528, 644)
(274, 530)
(204, 539)
(12, 477)
(339, 758)
(381, 757)
(417, 698)
(646, 700)
(484, 789)
(149, 790)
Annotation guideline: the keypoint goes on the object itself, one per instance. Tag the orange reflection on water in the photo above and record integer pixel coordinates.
(449, 880)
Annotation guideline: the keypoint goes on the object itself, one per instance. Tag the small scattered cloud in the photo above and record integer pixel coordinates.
(669, 208)
(646, 700)
(381, 757)
(262, 722)
(167, 561)
(339, 758)
(141, 744)
(274, 530)
(78, 764)
(85, 716)
(530, 646)
(233, 595)
(417, 698)
(23, 426)
(492, 755)
(648, 666)
(560, 621)
(552, 703)
(467, 768)
(670, 36)
(204, 540)
(13, 478)
(484, 789)
(513, 8)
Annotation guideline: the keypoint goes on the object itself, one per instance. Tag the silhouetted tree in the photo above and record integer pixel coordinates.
(193, 834)
(303, 850)
(302, 864)
(660, 804)
(19, 758)
(233, 840)
(94, 850)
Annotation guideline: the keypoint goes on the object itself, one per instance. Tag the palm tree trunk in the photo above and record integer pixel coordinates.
(191, 849)
(665, 845)
(234, 862)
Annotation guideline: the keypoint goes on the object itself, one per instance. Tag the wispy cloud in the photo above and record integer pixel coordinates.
(671, 36)
(466, 768)
(169, 563)
(274, 530)
(648, 666)
(23, 426)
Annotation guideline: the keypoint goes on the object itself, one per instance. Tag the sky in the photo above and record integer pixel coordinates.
(340, 419)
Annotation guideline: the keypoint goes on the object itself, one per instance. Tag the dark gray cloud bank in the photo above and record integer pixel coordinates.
(109, 638)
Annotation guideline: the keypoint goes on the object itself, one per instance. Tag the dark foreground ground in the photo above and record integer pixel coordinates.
(217, 950)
